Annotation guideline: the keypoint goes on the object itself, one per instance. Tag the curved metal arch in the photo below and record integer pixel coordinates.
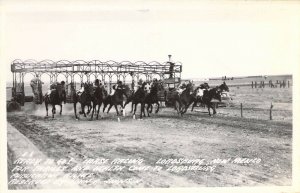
(46, 64)
(154, 63)
(47, 61)
(30, 61)
(140, 63)
(126, 62)
(80, 64)
(17, 61)
(95, 75)
(63, 62)
(111, 61)
(23, 75)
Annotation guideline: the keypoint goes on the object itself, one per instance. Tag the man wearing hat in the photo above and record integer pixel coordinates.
(117, 86)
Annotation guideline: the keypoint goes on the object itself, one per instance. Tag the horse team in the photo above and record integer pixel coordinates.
(94, 95)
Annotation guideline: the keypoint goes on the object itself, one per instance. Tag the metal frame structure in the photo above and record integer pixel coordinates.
(94, 69)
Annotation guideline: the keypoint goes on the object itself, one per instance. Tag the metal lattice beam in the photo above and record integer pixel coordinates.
(95, 66)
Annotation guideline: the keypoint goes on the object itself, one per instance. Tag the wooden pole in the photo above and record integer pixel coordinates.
(271, 111)
(255, 84)
(241, 109)
(252, 84)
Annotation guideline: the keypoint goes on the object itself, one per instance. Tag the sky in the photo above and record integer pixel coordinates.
(210, 39)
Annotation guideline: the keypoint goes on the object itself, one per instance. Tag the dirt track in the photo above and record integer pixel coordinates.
(165, 135)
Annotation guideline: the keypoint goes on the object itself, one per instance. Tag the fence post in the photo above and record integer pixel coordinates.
(252, 84)
(271, 111)
(241, 109)
(288, 84)
(255, 84)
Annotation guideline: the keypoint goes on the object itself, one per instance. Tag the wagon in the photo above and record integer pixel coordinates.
(168, 93)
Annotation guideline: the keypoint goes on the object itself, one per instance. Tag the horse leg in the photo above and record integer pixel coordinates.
(208, 107)
(82, 109)
(116, 109)
(46, 104)
(142, 109)
(183, 106)
(53, 110)
(131, 107)
(148, 107)
(89, 108)
(75, 110)
(157, 107)
(94, 107)
(127, 101)
(214, 109)
(194, 104)
(123, 109)
(183, 109)
(99, 105)
(134, 108)
(104, 106)
(187, 107)
(151, 108)
(110, 106)
(177, 107)
(60, 108)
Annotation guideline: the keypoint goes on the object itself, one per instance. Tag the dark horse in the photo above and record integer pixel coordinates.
(56, 97)
(84, 98)
(208, 95)
(223, 87)
(152, 98)
(139, 97)
(184, 100)
(98, 98)
(116, 99)
(200, 92)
